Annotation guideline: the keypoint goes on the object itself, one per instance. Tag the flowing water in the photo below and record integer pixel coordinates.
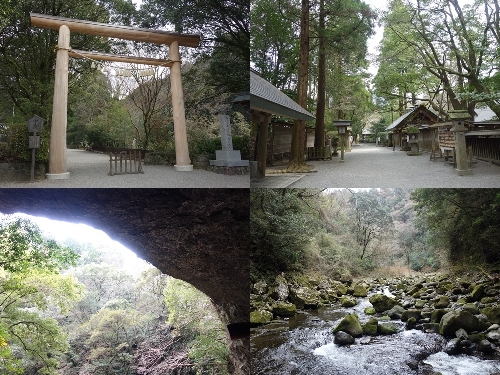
(304, 346)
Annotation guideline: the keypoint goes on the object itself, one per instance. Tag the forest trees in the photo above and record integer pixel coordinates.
(329, 57)
(74, 309)
(30, 283)
(466, 220)
(372, 219)
(456, 49)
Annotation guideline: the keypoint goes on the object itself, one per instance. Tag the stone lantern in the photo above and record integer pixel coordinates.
(458, 118)
(342, 126)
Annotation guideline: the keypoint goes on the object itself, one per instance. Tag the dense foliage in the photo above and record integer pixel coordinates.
(73, 309)
(340, 232)
(466, 220)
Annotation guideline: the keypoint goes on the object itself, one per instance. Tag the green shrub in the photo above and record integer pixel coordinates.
(18, 142)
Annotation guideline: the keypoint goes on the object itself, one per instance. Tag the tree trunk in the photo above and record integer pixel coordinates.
(297, 151)
(319, 134)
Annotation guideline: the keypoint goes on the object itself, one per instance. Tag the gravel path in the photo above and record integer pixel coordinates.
(90, 170)
(368, 166)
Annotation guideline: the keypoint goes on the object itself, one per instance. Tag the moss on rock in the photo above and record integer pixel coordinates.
(351, 325)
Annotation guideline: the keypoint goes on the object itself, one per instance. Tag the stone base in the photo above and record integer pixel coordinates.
(230, 171)
(183, 168)
(230, 163)
(463, 172)
(57, 176)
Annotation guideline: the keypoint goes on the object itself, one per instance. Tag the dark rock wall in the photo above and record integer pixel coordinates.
(198, 235)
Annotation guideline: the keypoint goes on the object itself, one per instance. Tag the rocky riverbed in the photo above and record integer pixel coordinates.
(434, 324)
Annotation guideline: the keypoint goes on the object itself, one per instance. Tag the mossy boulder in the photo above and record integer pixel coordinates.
(471, 307)
(443, 302)
(381, 302)
(387, 329)
(260, 317)
(454, 320)
(437, 314)
(284, 309)
(492, 313)
(411, 313)
(370, 311)
(347, 301)
(371, 327)
(396, 312)
(478, 292)
(260, 287)
(305, 298)
(339, 287)
(360, 290)
(351, 325)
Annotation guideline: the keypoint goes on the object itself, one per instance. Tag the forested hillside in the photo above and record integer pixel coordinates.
(73, 308)
(369, 232)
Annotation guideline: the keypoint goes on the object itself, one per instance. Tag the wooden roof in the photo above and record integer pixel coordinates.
(266, 98)
(416, 116)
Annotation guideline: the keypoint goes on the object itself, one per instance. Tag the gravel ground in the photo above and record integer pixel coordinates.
(368, 166)
(90, 170)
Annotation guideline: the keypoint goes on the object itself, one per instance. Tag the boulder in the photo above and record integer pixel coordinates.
(485, 346)
(442, 303)
(347, 301)
(478, 292)
(412, 313)
(452, 347)
(260, 287)
(304, 297)
(359, 290)
(493, 335)
(471, 307)
(351, 325)
(387, 329)
(454, 320)
(280, 291)
(343, 338)
(284, 309)
(371, 327)
(420, 303)
(381, 302)
(493, 313)
(370, 311)
(339, 287)
(396, 312)
(411, 323)
(260, 317)
(436, 315)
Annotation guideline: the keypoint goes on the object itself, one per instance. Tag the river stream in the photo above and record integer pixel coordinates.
(304, 345)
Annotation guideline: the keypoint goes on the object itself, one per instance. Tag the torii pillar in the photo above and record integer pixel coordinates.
(58, 168)
(182, 161)
(57, 157)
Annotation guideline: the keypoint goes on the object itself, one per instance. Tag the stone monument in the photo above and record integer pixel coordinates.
(227, 157)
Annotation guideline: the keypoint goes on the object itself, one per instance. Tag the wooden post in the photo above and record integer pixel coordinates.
(183, 163)
(264, 121)
(57, 150)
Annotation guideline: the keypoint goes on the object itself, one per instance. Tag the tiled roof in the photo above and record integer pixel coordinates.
(267, 98)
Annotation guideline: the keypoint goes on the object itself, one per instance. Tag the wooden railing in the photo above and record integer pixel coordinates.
(128, 160)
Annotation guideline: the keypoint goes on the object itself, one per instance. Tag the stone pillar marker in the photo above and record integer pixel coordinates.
(227, 157)
(458, 118)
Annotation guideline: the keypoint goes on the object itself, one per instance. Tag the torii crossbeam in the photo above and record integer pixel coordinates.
(57, 151)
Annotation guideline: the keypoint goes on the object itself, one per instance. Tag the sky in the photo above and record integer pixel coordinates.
(60, 230)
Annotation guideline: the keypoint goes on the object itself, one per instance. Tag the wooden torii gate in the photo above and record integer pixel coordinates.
(57, 151)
